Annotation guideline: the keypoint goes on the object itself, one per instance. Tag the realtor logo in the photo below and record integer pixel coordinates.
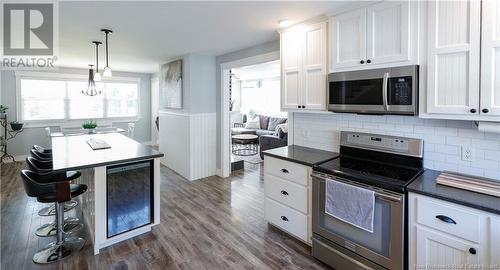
(29, 35)
(28, 29)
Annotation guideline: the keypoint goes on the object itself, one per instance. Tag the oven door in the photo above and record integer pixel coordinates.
(385, 246)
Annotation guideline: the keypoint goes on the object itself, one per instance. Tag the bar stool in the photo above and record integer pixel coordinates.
(41, 156)
(45, 167)
(54, 192)
(42, 152)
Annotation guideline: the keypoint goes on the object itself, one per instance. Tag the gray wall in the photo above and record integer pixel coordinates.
(229, 57)
(23, 142)
(198, 78)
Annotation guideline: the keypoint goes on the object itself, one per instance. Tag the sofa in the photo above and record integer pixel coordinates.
(267, 142)
(267, 126)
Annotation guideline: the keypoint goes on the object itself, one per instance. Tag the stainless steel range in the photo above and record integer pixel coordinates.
(378, 163)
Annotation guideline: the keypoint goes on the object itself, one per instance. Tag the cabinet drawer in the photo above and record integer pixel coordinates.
(467, 223)
(286, 218)
(286, 192)
(287, 170)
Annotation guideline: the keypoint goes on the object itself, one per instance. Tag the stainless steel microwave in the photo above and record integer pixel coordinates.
(376, 91)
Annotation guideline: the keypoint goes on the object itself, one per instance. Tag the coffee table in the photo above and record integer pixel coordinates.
(245, 144)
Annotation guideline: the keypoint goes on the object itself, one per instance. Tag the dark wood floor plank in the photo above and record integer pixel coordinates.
(212, 223)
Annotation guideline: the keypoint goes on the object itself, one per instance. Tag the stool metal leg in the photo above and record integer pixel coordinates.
(51, 210)
(71, 225)
(63, 247)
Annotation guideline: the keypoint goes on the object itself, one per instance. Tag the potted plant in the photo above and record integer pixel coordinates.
(3, 111)
(89, 124)
(16, 126)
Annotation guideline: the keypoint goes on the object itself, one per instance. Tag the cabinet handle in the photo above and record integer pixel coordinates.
(303, 106)
(472, 251)
(284, 218)
(368, 61)
(298, 106)
(284, 192)
(446, 219)
(362, 61)
(473, 110)
(284, 170)
(485, 110)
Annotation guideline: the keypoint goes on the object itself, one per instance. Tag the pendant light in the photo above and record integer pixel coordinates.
(91, 90)
(97, 75)
(107, 70)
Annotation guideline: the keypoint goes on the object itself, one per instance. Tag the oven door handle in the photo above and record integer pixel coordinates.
(379, 193)
(384, 90)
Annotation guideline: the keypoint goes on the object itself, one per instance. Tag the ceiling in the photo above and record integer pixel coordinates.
(149, 33)
(257, 72)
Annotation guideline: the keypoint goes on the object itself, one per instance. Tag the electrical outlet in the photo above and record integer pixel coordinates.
(467, 153)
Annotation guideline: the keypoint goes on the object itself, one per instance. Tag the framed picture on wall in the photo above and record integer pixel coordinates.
(171, 84)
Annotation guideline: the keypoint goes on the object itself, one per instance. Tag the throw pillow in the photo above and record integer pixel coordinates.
(282, 130)
(274, 121)
(264, 121)
(253, 123)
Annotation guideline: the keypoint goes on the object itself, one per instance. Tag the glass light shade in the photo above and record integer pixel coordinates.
(107, 72)
(97, 77)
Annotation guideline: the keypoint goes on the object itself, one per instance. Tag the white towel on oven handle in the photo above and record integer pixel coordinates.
(351, 204)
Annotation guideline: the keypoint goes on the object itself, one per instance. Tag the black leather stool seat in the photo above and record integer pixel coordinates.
(42, 149)
(76, 190)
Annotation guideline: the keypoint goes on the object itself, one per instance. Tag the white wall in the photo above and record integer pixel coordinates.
(443, 139)
(187, 135)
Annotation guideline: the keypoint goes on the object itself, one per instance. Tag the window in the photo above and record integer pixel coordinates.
(53, 97)
(262, 97)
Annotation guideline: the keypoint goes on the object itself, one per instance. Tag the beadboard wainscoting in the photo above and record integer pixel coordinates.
(189, 143)
(443, 139)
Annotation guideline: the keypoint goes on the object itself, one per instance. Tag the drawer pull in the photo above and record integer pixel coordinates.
(284, 218)
(446, 219)
(284, 192)
(284, 170)
(472, 251)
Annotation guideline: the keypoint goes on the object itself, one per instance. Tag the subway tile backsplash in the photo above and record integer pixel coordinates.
(443, 139)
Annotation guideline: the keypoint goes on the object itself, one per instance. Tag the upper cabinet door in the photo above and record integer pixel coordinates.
(291, 63)
(453, 57)
(348, 32)
(388, 32)
(490, 58)
(315, 67)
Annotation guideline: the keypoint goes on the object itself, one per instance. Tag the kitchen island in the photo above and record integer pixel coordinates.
(123, 197)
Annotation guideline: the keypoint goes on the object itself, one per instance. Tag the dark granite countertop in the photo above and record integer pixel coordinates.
(299, 154)
(426, 184)
(73, 152)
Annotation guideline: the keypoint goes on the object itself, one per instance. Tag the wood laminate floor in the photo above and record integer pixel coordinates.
(212, 223)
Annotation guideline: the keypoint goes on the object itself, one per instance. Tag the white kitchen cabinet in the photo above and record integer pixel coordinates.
(388, 32)
(454, 29)
(291, 64)
(348, 33)
(380, 35)
(490, 58)
(304, 67)
(436, 248)
(470, 237)
(288, 197)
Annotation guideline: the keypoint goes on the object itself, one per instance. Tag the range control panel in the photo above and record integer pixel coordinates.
(385, 143)
(388, 143)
